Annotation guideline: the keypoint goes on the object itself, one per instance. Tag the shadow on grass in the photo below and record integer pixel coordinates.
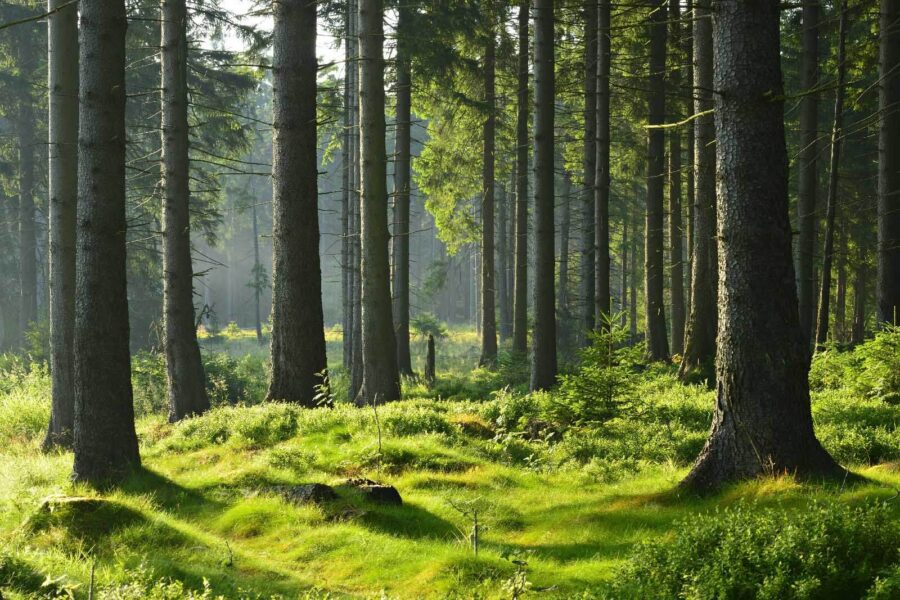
(170, 495)
(409, 521)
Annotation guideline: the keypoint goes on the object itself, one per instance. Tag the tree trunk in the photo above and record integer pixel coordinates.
(25, 133)
(400, 244)
(602, 176)
(676, 267)
(762, 421)
(346, 173)
(62, 56)
(520, 307)
(833, 168)
(543, 364)
(859, 299)
(625, 279)
(298, 337)
(888, 278)
(632, 307)
(257, 288)
(105, 441)
(589, 161)
(488, 312)
(840, 301)
(503, 263)
(185, 380)
(688, 40)
(700, 340)
(381, 379)
(654, 276)
(356, 362)
(564, 314)
(806, 168)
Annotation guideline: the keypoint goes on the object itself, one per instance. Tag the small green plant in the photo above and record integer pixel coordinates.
(424, 324)
(323, 393)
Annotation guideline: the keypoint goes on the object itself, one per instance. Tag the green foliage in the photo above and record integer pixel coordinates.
(424, 324)
(870, 369)
(24, 401)
(826, 551)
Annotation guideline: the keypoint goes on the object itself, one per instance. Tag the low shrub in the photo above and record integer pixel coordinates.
(824, 551)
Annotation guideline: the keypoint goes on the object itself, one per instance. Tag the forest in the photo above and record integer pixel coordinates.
(463, 299)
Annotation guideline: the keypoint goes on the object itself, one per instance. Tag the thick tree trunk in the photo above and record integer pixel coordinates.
(105, 441)
(184, 369)
(381, 379)
(654, 273)
(589, 162)
(520, 307)
(62, 68)
(602, 177)
(543, 363)
(676, 266)
(888, 278)
(806, 168)
(488, 287)
(400, 244)
(298, 337)
(700, 340)
(762, 422)
(831, 205)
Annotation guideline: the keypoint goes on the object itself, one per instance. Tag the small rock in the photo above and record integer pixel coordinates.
(316, 493)
(376, 492)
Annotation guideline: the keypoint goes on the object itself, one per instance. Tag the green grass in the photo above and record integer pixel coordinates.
(571, 502)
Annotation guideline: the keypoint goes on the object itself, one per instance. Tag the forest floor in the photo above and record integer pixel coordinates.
(561, 506)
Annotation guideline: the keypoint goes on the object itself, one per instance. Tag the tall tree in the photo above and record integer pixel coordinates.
(806, 167)
(488, 288)
(589, 164)
(62, 69)
(543, 348)
(298, 338)
(602, 177)
(654, 307)
(26, 59)
(676, 268)
(105, 441)
(346, 207)
(381, 378)
(888, 277)
(400, 246)
(762, 421)
(837, 135)
(185, 379)
(700, 340)
(520, 284)
(503, 247)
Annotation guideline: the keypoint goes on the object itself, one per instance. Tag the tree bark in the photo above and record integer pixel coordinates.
(185, 380)
(503, 247)
(347, 170)
(831, 203)
(859, 299)
(105, 442)
(700, 340)
(888, 276)
(257, 270)
(488, 287)
(543, 361)
(762, 422)
(676, 265)
(25, 133)
(589, 161)
(62, 68)
(806, 168)
(602, 176)
(520, 307)
(381, 379)
(563, 312)
(654, 275)
(298, 337)
(400, 244)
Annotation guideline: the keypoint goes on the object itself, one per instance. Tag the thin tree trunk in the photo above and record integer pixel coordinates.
(602, 176)
(346, 160)
(888, 277)
(654, 273)
(688, 38)
(520, 308)
(589, 161)
(633, 308)
(62, 57)
(543, 363)
(25, 133)
(298, 337)
(257, 288)
(859, 299)
(356, 361)
(105, 441)
(806, 168)
(625, 279)
(700, 340)
(564, 314)
(381, 378)
(762, 421)
(676, 266)
(840, 306)
(184, 369)
(488, 286)
(400, 244)
(503, 263)
(834, 166)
